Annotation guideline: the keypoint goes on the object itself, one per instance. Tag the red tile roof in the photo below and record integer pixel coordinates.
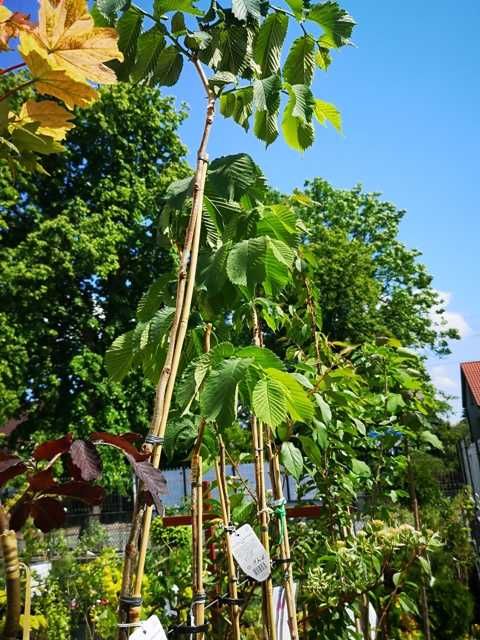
(471, 371)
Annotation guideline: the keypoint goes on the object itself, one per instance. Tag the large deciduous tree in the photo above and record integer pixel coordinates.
(77, 248)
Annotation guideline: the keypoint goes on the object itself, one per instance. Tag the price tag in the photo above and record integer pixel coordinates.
(151, 629)
(250, 553)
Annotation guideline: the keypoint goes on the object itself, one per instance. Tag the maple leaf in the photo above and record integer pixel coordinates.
(54, 82)
(68, 35)
(52, 119)
(10, 25)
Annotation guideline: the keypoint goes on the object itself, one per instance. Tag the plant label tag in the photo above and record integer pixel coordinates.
(150, 629)
(250, 553)
(281, 612)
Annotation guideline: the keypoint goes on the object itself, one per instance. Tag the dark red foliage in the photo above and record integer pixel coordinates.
(19, 514)
(131, 437)
(91, 494)
(10, 468)
(48, 450)
(86, 459)
(152, 478)
(47, 514)
(120, 443)
(42, 480)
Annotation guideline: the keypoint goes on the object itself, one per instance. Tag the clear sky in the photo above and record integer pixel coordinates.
(410, 98)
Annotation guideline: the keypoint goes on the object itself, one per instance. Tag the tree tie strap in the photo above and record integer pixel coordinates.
(199, 598)
(151, 438)
(131, 601)
(185, 630)
(230, 601)
(281, 513)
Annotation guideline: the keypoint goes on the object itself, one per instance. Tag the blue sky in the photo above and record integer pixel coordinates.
(410, 100)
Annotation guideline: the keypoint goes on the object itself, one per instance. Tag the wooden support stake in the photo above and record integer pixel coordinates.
(226, 519)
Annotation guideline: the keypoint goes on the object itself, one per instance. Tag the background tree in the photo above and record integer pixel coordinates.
(369, 282)
(77, 247)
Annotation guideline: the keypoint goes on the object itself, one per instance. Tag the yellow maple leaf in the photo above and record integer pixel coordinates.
(52, 118)
(10, 25)
(53, 81)
(67, 32)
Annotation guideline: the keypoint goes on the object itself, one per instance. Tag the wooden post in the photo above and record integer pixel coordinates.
(199, 596)
(226, 519)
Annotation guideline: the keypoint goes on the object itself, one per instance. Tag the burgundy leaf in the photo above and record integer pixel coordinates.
(12, 471)
(121, 443)
(7, 461)
(131, 437)
(85, 457)
(42, 480)
(47, 514)
(152, 478)
(72, 469)
(91, 494)
(51, 448)
(19, 514)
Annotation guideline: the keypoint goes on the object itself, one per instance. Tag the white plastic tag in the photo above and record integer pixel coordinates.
(281, 612)
(250, 553)
(150, 629)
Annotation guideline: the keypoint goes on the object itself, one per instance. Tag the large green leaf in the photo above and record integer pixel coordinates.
(110, 8)
(153, 298)
(160, 7)
(297, 7)
(266, 126)
(244, 8)
(279, 221)
(335, 21)
(261, 260)
(312, 451)
(268, 43)
(219, 396)
(432, 439)
(168, 68)
(263, 357)
(128, 28)
(268, 402)
(229, 50)
(361, 468)
(150, 46)
(299, 404)
(266, 100)
(327, 112)
(230, 177)
(292, 459)
(297, 124)
(119, 357)
(300, 63)
(238, 105)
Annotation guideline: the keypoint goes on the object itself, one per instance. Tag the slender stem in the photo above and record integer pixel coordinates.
(12, 68)
(263, 517)
(8, 544)
(313, 323)
(226, 518)
(164, 389)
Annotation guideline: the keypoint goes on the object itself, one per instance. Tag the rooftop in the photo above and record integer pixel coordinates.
(471, 371)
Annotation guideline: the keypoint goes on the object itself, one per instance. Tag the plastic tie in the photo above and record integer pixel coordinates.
(185, 630)
(281, 513)
(131, 601)
(230, 601)
(151, 438)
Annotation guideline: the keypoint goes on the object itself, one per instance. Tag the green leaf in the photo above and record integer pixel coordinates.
(266, 126)
(425, 564)
(263, 357)
(198, 40)
(360, 468)
(243, 8)
(299, 405)
(324, 409)
(268, 43)
(297, 7)
(160, 7)
(119, 357)
(222, 78)
(300, 63)
(266, 93)
(150, 46)
(128, 28)
(296, 124)
(219, 396)
(110, 8)
(25, 139)
(152, 299)
(279, 221)
(394, 402)
(292, 459)
(312, 451)
(268, 402)
(325, 111)
(233, 176)
(431, 438)
(169, 67)
(335, 21)
(320, 433)
(178, 24)
(238, 105)
(323, 58)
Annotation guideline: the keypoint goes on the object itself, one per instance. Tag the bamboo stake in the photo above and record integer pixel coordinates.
(226, 518)
(129, 602)
(8, 544)
(259, 462)
(288, 583)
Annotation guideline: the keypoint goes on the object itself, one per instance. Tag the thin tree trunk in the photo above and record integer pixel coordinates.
(226, 518)
(134, 563)
(263, 517)
(8, 544)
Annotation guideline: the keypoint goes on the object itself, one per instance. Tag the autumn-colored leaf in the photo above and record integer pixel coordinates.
(68, 35)
(19, 514)
(52, 118)
(10, 25)
(83, 491)
(41, 481)
(10, 467)
(54, 82)
(152, 478)
(120, 443)
(85, 457)
(47, 514)
(48, 450)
